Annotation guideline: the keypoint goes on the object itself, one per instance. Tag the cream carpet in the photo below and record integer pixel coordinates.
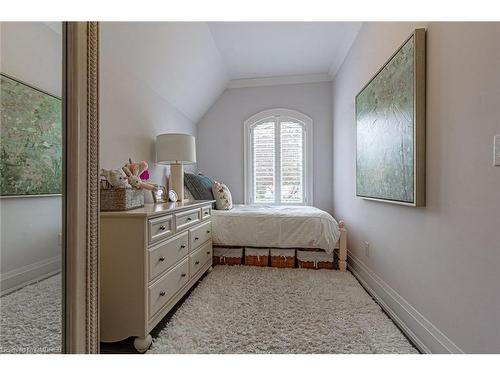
(242, 309)
(30, 318)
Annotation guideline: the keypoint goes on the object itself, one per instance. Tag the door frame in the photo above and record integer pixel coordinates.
(81, 187)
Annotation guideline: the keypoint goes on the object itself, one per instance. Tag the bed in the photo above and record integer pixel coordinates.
(302, 227)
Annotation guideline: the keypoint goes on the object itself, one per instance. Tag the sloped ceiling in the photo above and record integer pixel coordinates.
(263, 49)
(190, 63)
(178, 60)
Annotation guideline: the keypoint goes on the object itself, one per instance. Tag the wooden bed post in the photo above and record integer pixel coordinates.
(342, 247)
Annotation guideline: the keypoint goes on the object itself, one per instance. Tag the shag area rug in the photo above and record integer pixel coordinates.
(31, 318)
(243, 309)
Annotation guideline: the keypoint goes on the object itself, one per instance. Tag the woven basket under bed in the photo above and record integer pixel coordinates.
(228, 256)
(255, 256)
(315, 259)
(283, 258)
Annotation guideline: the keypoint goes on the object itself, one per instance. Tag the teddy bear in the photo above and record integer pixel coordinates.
(115, 178)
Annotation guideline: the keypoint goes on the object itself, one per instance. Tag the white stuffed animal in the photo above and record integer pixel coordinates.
(115, 177)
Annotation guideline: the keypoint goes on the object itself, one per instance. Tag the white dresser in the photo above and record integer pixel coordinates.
(149, 258)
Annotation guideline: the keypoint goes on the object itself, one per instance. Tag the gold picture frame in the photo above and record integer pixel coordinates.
(81, 187)
(160, 194)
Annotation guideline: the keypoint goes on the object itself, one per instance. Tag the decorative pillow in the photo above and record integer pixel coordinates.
(222, 195)
(187, 194)
(199, 186)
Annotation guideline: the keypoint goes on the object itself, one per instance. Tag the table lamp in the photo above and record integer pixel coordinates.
(176, 149)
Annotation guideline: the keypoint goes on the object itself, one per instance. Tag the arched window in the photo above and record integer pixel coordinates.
(278, 158)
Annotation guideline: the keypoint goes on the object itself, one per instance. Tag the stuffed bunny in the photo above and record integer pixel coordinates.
(136, 168)
(133, 170)
(115, 177)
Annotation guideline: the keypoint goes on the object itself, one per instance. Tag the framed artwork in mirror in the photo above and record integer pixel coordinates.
(30, 140)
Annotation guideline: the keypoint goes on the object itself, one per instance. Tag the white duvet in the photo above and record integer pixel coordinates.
(275, 226)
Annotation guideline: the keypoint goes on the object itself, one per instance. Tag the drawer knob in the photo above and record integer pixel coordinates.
(208, 231)
(183, 275)
(197, 262)
(208, 252)
(188, 219)
(183, 246)
(162, 227)
(196, 238)
(161, 259)
(162, 294)
(206, 213)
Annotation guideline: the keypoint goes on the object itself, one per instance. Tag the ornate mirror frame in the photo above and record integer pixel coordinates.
(81, 187)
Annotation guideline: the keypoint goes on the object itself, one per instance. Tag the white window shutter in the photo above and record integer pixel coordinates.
(292, 162)
(263, 151)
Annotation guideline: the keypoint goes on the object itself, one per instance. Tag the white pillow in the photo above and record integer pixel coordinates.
(222, 195)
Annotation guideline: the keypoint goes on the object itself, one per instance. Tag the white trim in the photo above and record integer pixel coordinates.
(426, 337)
(278, 80)
(308, 152)
(29, 274)
(30, 196)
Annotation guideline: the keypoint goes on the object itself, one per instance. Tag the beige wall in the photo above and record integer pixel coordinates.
(442, 260)
(220, 133)
(30, 227)
(132, 113)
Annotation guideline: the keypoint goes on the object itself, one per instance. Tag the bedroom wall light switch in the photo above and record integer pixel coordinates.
(496, 161)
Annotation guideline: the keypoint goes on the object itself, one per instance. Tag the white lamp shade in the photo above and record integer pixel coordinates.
(175, 149)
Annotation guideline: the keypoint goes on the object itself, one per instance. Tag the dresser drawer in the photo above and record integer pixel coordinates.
(200, 257)
(160, 292)
(206, 212)
(160, 228)
(200, 234)
(166, 254)
(186, 219)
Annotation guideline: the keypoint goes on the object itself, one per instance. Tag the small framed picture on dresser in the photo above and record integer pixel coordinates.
(160, 194)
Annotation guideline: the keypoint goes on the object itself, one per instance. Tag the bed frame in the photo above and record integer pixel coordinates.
(340, 247)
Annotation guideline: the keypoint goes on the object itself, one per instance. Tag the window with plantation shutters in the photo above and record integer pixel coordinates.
(278, 161)
(292, 158)
(264, 161)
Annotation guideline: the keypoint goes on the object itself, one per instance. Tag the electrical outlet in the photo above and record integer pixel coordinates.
(496, 151)
(366, 246)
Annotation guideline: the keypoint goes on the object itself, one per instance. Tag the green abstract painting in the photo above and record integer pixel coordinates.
(385, 154)
(30, 140)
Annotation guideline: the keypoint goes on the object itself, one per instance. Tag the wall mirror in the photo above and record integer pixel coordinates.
(48, 187)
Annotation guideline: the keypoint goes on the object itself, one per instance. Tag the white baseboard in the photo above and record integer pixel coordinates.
(424, 335)
(31, 273)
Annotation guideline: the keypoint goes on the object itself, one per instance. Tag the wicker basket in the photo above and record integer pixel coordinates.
(314, 259)
(255, 256)
(228, 256)
(121, 199)
(283, 258)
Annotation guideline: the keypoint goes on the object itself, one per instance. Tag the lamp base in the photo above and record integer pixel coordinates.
(177, 180)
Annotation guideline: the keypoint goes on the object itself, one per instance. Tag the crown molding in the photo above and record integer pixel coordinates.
(279, 80)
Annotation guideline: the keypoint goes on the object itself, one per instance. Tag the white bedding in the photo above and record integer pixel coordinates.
(275, 226)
